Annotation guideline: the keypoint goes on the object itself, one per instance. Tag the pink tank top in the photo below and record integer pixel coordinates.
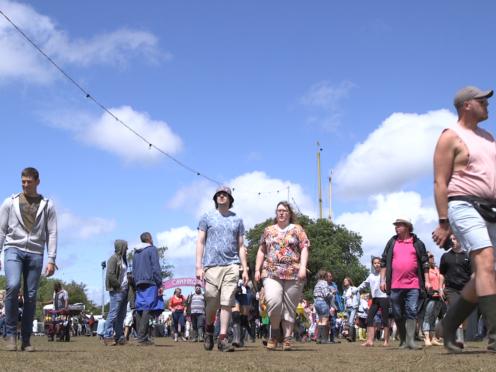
(479, 176)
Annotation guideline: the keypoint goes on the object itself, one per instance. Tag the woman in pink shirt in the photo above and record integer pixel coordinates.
(434, 305)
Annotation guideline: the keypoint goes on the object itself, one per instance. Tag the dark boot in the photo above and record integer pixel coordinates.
(236, 328)
(447, 327)
(351, 334)
(487, 304)
(319, 335)
(411, 324)
(200, 334)
(401, 327)
(195, 336)
(323, 336)
(242, 335)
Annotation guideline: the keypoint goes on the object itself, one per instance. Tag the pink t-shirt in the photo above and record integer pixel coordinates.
(405, 265)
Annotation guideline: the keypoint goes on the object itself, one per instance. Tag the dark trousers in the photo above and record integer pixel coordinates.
(332, 325)
(198, 320)
(142, 319)
(379, 303)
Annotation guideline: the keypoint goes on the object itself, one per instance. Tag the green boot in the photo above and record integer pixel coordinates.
(410, 335)
(200, 334)
(319, 335)
(487, 304)
(195, 336)
(447, 327)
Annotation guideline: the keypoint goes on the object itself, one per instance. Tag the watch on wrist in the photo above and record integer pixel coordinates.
(443, 220)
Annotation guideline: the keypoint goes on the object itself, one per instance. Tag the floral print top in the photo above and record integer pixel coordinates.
(283, 251)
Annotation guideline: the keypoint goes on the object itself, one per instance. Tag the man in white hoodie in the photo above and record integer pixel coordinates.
(27, 222)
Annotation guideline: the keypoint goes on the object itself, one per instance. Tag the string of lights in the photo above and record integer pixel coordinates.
(149, 144)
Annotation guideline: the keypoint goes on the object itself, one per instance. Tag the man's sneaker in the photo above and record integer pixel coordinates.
(124, 342)
(109, 342)
(144, 343)
(272, 344)
(286, 345)
(224, 345)
(26, 346)
(208, 343)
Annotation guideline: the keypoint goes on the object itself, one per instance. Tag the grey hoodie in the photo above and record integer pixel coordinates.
(44, 230)
(114, 266)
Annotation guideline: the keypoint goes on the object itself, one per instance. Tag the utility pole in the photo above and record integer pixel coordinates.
(320, 188)
(104, 265)
(330, 194)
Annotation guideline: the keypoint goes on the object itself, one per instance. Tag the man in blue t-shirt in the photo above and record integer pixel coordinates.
(219, 251)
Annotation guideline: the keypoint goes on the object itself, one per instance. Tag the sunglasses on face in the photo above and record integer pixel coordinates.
(222, 193)
(481, 100)
(431, 256)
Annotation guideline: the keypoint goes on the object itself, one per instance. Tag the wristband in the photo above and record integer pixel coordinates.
(440, 290)
(383, 280)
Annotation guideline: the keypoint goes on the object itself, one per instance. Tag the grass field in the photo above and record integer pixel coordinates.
(89, 354)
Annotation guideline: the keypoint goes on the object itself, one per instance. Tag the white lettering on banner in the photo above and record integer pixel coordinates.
(189, 282)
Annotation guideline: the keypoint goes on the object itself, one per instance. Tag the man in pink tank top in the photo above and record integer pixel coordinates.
(464, 177)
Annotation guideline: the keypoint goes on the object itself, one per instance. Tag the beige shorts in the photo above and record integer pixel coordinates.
(220, 285)
(282, 297)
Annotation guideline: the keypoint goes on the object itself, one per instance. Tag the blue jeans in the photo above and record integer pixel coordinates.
(178, 317)
(30, 265)
(332, 326)
(322, 308)
(116, 315)
(404, 303)
(351, 316)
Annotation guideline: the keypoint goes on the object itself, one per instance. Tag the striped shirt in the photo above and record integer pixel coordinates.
(197, 303)
(321, 291)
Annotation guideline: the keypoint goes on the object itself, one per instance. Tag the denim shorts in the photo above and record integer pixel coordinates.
(471, 230)
(244, 299)
(322, 308)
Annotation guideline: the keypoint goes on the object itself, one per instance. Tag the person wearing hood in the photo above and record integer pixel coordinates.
(117, 286)
(147, 277)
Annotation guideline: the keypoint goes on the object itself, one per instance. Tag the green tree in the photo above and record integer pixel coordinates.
(333, 248)
(166, 268)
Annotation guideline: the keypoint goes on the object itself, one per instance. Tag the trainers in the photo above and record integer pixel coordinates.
(224, 345)
(109, 342)
(183, 338)
(11, 343)
(124, 342)
(272, 344)
(286, 345)
(26, 346)
(144, 343)
(208, 343)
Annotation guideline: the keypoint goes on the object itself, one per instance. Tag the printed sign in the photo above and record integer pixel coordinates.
(181, 282)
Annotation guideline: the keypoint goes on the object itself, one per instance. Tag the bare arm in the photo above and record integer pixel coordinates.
(200, 245)
(302, 274)
(262, 251)
(383, 279)
(441, 285)
(243, 253)
(444, 157)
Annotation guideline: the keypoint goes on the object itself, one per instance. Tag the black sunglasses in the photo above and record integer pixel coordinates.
(431, 256)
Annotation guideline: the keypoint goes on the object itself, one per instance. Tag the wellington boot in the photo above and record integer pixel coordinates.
(319, 335)
(195, 336)
(242, 336)
(447, 327)
(401, 327)
(236, 328)
(323, 336)
(201, 332)
(487, 304)
(410, 335)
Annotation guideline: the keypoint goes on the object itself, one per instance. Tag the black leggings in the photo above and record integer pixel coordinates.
(383, 304)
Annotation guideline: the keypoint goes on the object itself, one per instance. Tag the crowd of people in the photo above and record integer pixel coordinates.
(406, 291)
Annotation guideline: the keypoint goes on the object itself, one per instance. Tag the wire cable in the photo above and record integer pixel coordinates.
(150, 145)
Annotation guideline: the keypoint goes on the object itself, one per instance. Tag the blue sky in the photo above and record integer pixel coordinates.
(241, 92)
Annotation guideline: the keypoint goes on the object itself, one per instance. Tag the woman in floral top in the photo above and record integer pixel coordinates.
(285, 244)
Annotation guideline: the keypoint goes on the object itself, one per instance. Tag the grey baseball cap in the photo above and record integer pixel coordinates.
(467, 93)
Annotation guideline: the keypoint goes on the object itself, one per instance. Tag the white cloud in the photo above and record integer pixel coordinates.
(20, 60)
(398, 152)
(181, 242)
(326, 97)
(376, 227)
(71, 226)
(109, 135)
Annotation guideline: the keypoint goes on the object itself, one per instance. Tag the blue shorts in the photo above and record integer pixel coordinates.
(471, 230)
(322, 308)
(244, 299)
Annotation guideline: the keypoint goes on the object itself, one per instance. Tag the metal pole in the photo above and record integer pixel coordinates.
(330, 197)
(320, 189)
(104, 265)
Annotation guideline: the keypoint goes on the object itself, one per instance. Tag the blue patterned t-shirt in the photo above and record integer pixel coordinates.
(221, 245)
